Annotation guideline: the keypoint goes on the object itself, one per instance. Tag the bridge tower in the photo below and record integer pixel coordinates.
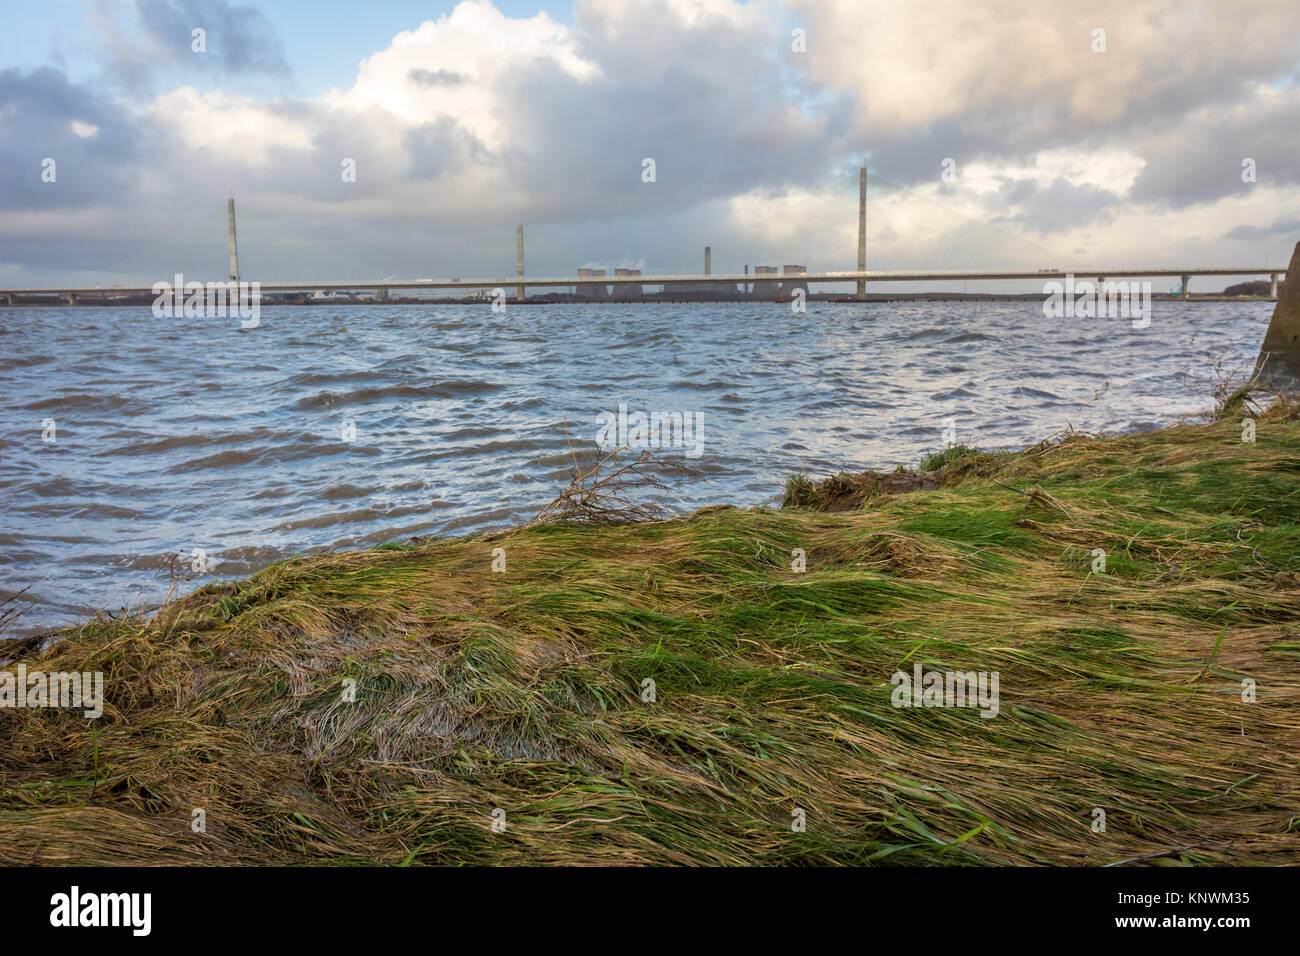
(234, 256)
(862, 230)
(519, 260)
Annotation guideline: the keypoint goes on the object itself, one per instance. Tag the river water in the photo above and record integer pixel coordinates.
(348, 426)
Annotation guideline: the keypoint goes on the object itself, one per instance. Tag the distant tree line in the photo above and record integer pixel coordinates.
(1258, 287)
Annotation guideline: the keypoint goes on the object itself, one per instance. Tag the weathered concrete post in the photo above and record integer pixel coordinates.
(1279, 356)
(234, 257)
(519, 260)
(1272, 293)
(862, 230)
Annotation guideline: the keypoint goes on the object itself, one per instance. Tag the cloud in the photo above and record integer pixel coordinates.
(1024, 71)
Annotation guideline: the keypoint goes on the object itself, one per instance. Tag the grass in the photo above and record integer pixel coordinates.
(378, 706)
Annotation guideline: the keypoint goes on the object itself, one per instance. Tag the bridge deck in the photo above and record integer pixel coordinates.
(513, 282)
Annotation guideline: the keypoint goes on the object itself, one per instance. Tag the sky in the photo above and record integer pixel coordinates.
(391, 140)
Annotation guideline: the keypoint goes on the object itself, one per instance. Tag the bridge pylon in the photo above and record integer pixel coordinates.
(234, 255)
(862, 230)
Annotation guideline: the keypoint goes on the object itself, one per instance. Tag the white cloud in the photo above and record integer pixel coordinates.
(457, 67)
(240, 129)
(1114, 170)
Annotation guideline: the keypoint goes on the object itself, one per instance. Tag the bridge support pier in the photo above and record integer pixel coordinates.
(1101, 288)
(381, 295)
(1273, 286)
(72, 299)
(1279, 357)
(9, 300)
(1182, 293)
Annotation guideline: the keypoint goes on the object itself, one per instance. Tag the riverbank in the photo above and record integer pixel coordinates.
(676, 692)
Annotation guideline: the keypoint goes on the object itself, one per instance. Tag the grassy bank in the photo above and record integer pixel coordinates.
(522, 690)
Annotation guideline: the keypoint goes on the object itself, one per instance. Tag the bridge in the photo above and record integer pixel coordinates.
(516, 282)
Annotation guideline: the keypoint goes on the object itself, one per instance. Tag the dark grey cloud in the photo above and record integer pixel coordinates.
(710, 138)
(917, 158)
(1282, 227)
(239, 39)
(442, 148)
(1201, 159)
(436, 78)
(1058, 208)
(156, 48)
(37, 112)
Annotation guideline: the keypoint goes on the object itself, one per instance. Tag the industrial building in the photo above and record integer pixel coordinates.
(765, 290)
(788, 288)
(627, 290)
(591, 291)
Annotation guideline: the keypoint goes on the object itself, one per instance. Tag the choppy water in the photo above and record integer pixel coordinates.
(181, 434)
